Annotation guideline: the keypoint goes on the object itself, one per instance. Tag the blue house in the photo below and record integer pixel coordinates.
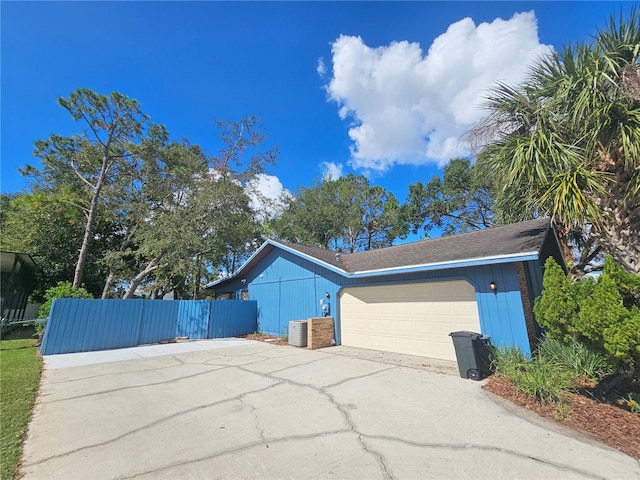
(405, 298)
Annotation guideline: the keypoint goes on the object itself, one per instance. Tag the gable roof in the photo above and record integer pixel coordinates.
(513, 242)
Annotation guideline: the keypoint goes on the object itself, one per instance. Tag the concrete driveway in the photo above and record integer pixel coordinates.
(254, 410)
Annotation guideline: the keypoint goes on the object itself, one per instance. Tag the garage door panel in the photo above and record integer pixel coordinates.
(438, 350)
(405, 326)
(415, 319)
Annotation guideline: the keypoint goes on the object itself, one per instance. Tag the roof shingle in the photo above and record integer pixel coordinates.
(505, 240)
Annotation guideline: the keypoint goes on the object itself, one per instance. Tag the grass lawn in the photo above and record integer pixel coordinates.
(20, 369)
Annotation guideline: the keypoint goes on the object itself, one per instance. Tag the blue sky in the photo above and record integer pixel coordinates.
(383, 88)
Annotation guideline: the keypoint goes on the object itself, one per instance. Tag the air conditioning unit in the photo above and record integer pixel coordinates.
(298, 333)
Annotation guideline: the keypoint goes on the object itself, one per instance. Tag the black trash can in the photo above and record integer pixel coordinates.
(472, 353)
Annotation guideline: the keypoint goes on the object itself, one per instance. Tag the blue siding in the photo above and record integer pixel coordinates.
(267, 297)
(158, 321)
(230, 318)
(77, 325)
(288, 287)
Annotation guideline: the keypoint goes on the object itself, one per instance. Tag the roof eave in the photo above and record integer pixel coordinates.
(311, 258)
(293, 251)
(472, 262)
(242, 268)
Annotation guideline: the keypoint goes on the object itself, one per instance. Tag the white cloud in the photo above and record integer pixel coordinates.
(267, 195)
(331, 170)
(412, 108)
(321, 68)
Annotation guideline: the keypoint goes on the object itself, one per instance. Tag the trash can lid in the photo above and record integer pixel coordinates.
(464, 333)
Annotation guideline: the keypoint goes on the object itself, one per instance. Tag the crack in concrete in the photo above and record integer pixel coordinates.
(102, 392)
(216, 362)
(359, 377)
(350, 423)
(347, 416)
(488, 448)
(239, 448)
(252, 412)
(286, 368)
(256, 355)
(180, 362)
(177, 359)
(152, 424)
(250, 354)
(380, 457)
(115, 374)
(342, 409)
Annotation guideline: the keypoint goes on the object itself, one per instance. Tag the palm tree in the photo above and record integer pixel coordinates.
(566, 143)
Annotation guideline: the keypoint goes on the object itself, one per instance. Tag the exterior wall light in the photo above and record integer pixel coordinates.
(493, 287)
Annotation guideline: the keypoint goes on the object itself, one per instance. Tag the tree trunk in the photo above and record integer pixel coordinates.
(619, 233)
(126, 241)
(563, 237)
(621, 239)
(91, 215)
(151, 267)
(88, 234)
(107, 284)
(196, 288)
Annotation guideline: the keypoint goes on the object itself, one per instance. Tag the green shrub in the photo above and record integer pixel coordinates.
(536, 376)
(558, 306)
(62, 290)
(507, 360)
(622, 339)
(576, 358)
(602, 314)
(599, 310)
(628, 284)
(545, 380)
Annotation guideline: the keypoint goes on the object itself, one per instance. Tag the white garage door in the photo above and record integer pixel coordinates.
(414, 319)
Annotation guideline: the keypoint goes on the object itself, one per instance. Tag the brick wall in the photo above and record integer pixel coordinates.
(319, 332)
(526, 304)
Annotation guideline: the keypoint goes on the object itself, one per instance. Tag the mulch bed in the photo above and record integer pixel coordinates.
(609, 424)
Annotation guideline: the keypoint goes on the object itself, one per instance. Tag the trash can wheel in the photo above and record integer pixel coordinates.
(474, 374)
